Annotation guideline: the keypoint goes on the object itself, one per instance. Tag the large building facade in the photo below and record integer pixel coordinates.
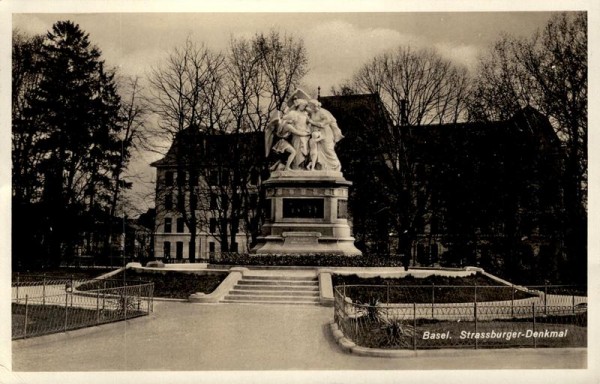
(476, 193)
(449, 194)
(206, 193)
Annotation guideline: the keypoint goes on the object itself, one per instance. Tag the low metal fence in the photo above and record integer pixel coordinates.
(418, 317)
(43, 306)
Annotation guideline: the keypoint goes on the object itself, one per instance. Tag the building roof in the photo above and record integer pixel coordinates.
(366, 112)
(201, 145)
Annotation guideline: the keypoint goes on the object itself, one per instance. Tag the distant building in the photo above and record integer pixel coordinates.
(476, 192)
(139, 243)
(207, 181)
(467, 193)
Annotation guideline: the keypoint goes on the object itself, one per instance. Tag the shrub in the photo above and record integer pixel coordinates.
(396, 334)
(308, 260)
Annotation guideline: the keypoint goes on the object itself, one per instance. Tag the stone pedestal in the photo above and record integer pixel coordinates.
(307, 215)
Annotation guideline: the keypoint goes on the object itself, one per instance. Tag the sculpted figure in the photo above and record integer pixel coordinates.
(296, 121)
(307, 132)
(325, 135)
(315, 137)
(292, 131)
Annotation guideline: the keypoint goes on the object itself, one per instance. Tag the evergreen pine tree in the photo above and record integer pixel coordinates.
(76, 107)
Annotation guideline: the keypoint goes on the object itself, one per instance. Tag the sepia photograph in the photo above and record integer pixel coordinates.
(297, 193)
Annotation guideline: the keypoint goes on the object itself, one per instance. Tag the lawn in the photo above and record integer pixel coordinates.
(45, 319)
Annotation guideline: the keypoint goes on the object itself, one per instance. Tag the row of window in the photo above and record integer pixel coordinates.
(191, 249)
(169, 222)
(216, 201)
(180, 225)
(214, 178)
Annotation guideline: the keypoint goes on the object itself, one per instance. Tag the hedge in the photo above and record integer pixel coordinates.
(308, 260)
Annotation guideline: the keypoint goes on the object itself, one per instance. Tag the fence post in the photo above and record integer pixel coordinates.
(66, 308)
(26, 315)
(44, 290)
(533, 314)
(125, 302)
(150, 293)
(355, 323)
(388, 292)
(139, 294)
(152, 297)
(545, 298)
(344, 305)
(432, 299)
(573, 302)
(512, 301)
(18, 278)
(104, 296)
(98, 307)
(387, 304)
(72, 288)
(414, 326)
(475, 315)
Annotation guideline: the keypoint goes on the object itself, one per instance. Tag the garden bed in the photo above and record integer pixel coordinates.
(430, 289)
(484, 334)
(167, 284)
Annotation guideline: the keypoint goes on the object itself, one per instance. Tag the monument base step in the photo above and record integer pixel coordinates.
(274, 289)
(295, 302)
(307, 243)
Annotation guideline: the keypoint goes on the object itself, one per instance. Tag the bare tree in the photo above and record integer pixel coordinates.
(247, 86)
(133, 137)
(435, 90)
(549, 72)
(284, 60)
(501, 87)
(214, 105)
(415, 87)
(263, 72)
(185, 96)
(181, 90)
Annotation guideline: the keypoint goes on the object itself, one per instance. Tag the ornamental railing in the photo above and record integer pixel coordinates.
(426, 317)
(43, 306)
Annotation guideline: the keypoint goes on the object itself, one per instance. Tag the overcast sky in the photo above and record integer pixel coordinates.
(337, 43)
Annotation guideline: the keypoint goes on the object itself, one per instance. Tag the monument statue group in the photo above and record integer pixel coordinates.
(307, 132)
(306, 192)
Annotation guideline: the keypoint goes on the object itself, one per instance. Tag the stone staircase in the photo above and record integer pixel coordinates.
(275, 289)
